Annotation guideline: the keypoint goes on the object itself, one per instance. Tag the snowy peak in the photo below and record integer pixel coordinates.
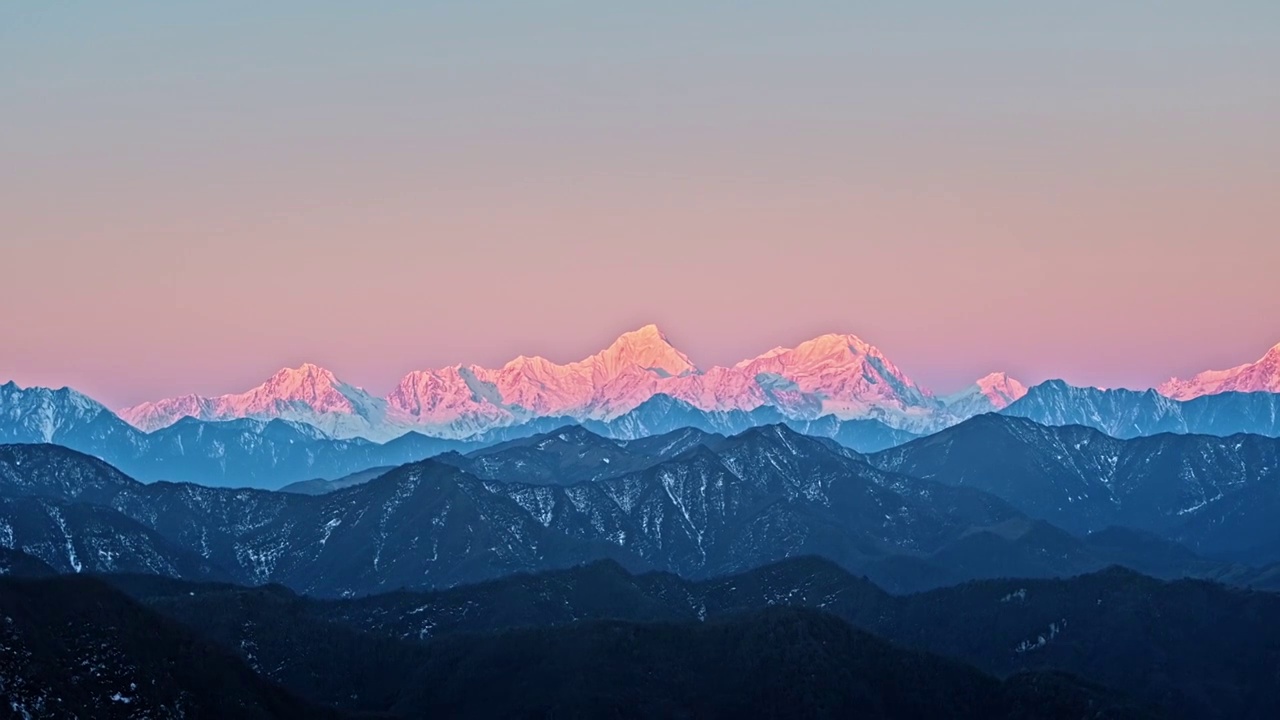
(309, 384)
(1272, 357)
(305, 375)
(842, 375)
(1001, 389)
(843, 356)
(151, 416)
(990, 393)
(834, 347)
(1260, 376)
(646, 349)
(306, 394)
(761, 357)
(535, 366)
(464, 400)
(829, 351)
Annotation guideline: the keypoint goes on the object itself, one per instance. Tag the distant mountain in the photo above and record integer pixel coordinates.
(832, 375)
(238, 453)
(835, 385)
(567, 456)
(308, 394)
(1131, 413)
(320, 486)
(663, 414)
(75, 647)
(1218, 495)
(1194, 649)
(992, 393)
(1260, 376)
(717, 506)
(274, 453)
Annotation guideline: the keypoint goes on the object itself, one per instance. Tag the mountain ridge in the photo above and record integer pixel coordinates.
(832, 375)
(1262, 375)
(1133, 413)
(712, 506)
(1217, 495)
(272, 453)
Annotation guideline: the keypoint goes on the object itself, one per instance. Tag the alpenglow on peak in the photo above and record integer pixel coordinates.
(1262, 375)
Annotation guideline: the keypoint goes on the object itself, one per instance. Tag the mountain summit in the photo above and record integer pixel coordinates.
(838, 374)
(991, 393)
(647, 349)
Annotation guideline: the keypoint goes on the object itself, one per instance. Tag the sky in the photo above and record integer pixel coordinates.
(193, 195)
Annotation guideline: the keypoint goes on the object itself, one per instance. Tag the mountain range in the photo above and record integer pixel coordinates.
(244, 452)
(1133, 413)
(272, 453)
(304, 424)
(664, 537)
(1217, 495)
(838, 375)
(696, 504)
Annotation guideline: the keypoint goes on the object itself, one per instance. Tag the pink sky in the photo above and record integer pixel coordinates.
(1041, 196)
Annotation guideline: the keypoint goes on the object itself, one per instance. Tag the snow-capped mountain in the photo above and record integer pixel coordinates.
(1260, 376)
(832, 374)
(307, 394)
(837, 375)
(469, 398)
(992, 393)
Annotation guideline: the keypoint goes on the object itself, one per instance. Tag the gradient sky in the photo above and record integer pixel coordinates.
(192, 197)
